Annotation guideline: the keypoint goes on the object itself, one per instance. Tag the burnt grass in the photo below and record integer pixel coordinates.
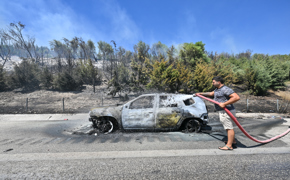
(49, 101)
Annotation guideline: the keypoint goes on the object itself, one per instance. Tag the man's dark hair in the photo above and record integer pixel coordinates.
(218, 78)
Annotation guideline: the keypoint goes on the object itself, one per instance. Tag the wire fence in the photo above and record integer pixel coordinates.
(53, 105)
(83, 104)
(258, 106)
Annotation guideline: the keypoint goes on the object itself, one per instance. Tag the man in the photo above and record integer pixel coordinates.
(226, 97)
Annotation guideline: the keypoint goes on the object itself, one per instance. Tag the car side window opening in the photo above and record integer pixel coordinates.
(188, 102)
(143, 103)
(167, 101)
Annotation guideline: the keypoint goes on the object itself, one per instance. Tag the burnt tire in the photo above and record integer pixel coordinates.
(107, 126)
(192, 125)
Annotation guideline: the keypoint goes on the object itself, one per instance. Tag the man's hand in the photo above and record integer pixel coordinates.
(233, 98)
(222, 105)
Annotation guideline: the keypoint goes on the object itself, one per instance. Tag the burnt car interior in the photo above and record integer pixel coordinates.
(143, 103)
(166, 101)
(189, 102)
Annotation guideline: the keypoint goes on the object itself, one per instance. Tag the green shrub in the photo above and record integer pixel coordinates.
(278, 72)
(65, 82)
(46, 78)
(257, 78)
(86, 72)
(3, 85)
(26, 76)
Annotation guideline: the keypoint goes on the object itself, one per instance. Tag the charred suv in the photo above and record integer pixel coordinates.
(153, 112)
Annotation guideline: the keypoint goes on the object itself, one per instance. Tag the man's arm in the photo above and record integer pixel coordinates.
(206, 93)
(233, 98)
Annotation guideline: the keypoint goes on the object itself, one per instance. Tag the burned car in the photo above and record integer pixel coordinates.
(153, 112)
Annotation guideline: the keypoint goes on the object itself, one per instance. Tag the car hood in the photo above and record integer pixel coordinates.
(114, 111)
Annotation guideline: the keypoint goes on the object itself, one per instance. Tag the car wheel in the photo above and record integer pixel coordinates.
(107, 126)
(193, 125)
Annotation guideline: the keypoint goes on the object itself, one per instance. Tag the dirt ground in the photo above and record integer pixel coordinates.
(48, 101)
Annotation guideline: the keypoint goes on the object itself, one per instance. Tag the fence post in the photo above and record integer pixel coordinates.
(247, 105)
(94, 85)
(26, 104)
(277, 105)
(62, 104)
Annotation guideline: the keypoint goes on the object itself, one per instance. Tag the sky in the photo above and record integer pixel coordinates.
(231, 26)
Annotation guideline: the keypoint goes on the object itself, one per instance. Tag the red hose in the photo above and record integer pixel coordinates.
(241, 128)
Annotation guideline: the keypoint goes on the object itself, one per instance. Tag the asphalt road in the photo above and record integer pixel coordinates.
(58, 147)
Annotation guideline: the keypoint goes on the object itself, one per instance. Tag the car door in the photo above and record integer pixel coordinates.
(168, 113)
(140, 113)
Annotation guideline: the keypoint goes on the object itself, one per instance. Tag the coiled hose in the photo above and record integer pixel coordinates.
(241, 128)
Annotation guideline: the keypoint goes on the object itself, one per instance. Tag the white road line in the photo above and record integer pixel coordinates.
(138, 154)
